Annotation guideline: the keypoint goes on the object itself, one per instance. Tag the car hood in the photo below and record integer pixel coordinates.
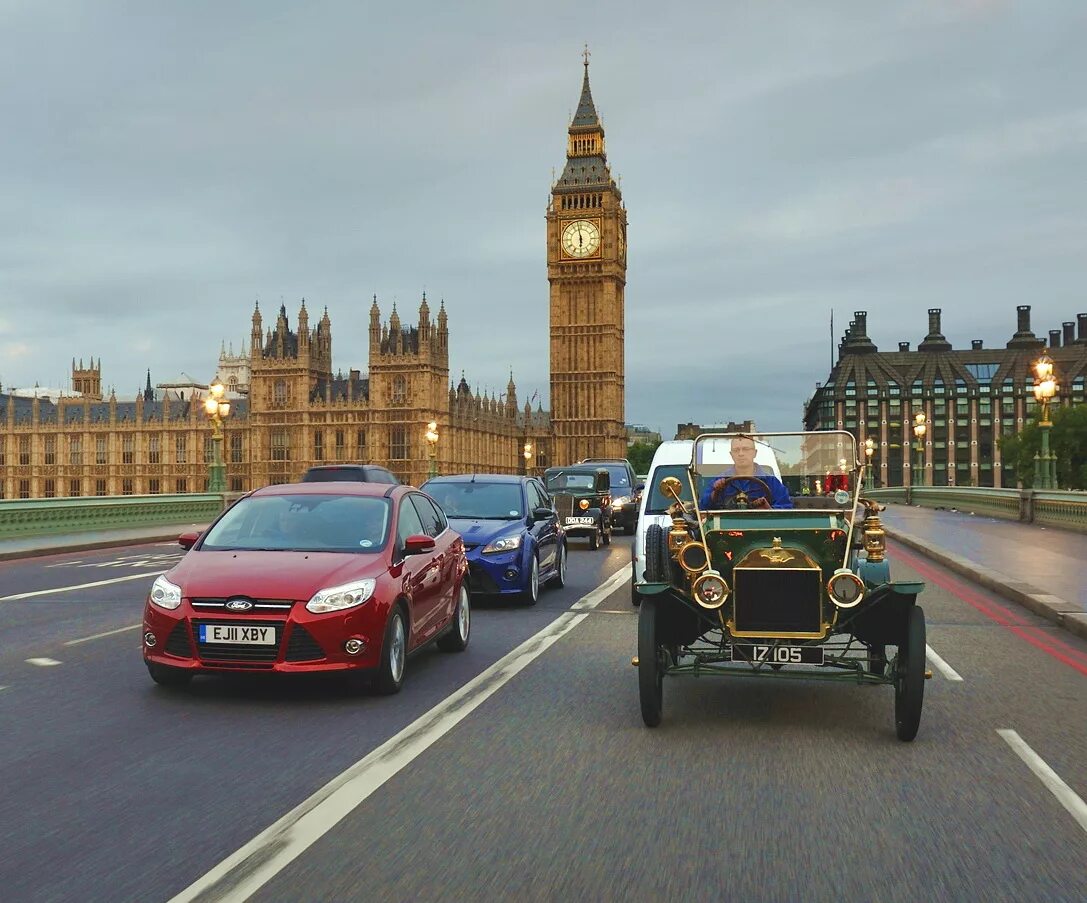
(269, 575)
(477, 532)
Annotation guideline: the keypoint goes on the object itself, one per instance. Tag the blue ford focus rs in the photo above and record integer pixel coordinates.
(511, 534)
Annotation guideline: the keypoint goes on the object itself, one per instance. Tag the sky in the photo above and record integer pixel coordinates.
(164, 165)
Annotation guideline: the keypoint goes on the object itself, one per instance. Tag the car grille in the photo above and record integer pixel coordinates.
(769, 601)
(481, 580)
(564, 504)
(214, 604)
(179, 643)
(239, 652)
(302, 647)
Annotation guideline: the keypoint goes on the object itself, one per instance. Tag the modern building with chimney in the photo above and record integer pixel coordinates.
(970, 398)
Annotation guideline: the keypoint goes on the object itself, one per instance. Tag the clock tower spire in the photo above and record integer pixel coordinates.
(586, 268)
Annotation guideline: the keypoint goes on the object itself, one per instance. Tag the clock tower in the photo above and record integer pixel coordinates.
(586, 268)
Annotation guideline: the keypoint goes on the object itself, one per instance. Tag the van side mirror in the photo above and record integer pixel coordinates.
(187, 540)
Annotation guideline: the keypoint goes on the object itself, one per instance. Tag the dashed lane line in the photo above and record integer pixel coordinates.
(1065, 795)
(243, 873)
(42, 662)
(68, 589)
(98, 636)
(943, 667)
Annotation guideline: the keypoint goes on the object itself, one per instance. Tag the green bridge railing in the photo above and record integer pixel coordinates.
(39, 517)
(1048, 508)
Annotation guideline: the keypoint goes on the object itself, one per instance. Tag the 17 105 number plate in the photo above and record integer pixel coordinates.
(777, 655)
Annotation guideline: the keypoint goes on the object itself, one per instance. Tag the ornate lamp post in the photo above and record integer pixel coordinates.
(217, 409)
(869, 450)
(1045, 387)
(528, 455)
(920, 427)
(432, 444)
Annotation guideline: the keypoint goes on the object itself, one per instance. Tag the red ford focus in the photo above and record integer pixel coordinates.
(306, 577)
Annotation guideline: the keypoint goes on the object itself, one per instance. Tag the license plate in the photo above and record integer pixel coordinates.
(237, 634)
(777, 655)
(580, 521)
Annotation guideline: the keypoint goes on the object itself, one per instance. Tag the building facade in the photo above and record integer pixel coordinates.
(586, 268)
(970, 398)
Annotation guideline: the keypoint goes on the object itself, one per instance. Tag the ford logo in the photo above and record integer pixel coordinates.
(238, 605)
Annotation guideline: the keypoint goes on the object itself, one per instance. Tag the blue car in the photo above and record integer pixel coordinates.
(511, 533)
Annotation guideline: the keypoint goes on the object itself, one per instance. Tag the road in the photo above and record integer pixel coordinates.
(535, 778)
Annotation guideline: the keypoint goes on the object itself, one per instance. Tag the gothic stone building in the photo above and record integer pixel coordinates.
(299, 412)
(970, 398)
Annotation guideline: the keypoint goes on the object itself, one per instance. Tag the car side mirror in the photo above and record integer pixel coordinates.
(187, 540)
(542, 513)
(418, 544)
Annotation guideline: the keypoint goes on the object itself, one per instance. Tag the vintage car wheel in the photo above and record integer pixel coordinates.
(650, 670)
(394, 655)
(559, 577)
(658, 562)
(456, 640)
(165, 676)
(910, 676)
(594, 540)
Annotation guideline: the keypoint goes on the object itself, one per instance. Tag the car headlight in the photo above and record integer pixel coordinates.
(165, 594)
(845, 588)
(620, 501)
(503, 544)
(337, 598)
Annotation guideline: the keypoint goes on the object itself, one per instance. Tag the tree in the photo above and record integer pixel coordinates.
(640, 455)
(1067, 440)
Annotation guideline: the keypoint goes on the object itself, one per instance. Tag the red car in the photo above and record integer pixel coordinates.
(305, 577)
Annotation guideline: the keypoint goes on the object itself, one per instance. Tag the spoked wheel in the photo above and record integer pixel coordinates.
(559, 578)
(394, 653)
(650, 664)
(531, 594)
(910, 676)
(457, 638)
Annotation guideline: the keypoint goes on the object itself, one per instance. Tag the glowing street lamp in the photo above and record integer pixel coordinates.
(217, 409)
(431, 436)
(1045, 388)
(920, 427)
(869, 451)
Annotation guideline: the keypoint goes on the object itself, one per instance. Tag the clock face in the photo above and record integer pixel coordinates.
(581, 238)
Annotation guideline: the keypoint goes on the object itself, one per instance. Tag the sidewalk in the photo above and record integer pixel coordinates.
(51, 544)
(1041, 568)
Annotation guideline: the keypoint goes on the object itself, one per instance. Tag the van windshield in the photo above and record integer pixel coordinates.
(658, 502)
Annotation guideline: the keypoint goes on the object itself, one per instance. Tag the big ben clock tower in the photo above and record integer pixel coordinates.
(587, 269)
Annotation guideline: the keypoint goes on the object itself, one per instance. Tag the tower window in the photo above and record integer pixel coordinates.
(398, 443)
(100, 450)
(24, 451)
(75, 450)
(154, 451)
(279, 392)
(181, 450)
(399, 390)
(280, 451)
(318, 445)
(235, 449)
(50, 449)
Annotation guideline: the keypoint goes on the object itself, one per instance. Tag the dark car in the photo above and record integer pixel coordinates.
(350, 473)
(582, 497)
(626, 491)
(510, 531)
(334, 577)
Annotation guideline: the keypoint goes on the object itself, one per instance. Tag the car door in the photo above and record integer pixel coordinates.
(421, 573)
(434, 524)
(545, 530)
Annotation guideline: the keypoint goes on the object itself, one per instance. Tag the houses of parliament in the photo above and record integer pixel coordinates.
(296, 411)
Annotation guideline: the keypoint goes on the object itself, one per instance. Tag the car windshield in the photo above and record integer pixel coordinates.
(481, 501)
(658, 502)
(302, 523)
(564, 481)
(620, 477)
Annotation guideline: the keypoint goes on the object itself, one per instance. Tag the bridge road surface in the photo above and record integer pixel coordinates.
(550, 788)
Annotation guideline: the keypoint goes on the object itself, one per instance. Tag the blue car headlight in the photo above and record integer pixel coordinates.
(503, 544)
(619, 501)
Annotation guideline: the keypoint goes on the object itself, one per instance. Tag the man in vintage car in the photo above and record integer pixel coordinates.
(744, 479)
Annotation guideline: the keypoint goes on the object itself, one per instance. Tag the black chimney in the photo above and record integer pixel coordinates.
(1023, 337)
(1023, 311)
(856, 336)
(1069, 331)
(935, 340)
(903, 346)
(1054, 338)
(975, 345)
(1081, 328)
(860, 322)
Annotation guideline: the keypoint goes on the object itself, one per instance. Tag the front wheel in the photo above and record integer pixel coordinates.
(530, 595)
(910, 676)
(394, 654)
(650, 669)
(559, 578)
(606, 533)
(456, 640)
(594, 540)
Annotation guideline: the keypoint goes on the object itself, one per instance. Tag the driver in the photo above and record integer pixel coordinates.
(742, 449)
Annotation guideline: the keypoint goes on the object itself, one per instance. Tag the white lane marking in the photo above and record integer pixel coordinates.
(68, 589)
(243, 873)
(3, 688)
(1065, 795)
(98, 636)
(943, 667)
(42, 662)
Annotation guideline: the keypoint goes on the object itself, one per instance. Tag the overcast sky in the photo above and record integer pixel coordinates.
(163, 165)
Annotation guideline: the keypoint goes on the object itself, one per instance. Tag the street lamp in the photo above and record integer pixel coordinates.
(1045, 387)
(528, 455)
(217, 409)
(432, 442)
(869, 450)
(920, 427)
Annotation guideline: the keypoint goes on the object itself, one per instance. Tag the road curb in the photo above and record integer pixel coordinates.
(169, 534)
(1064, 614)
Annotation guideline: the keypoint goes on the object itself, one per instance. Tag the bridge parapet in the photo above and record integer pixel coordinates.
(38, 517)
(1049, 508)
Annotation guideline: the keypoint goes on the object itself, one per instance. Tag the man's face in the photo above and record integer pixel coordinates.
(743, 452)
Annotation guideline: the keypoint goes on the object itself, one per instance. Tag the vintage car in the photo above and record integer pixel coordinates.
(761, 572)
(582, 496)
